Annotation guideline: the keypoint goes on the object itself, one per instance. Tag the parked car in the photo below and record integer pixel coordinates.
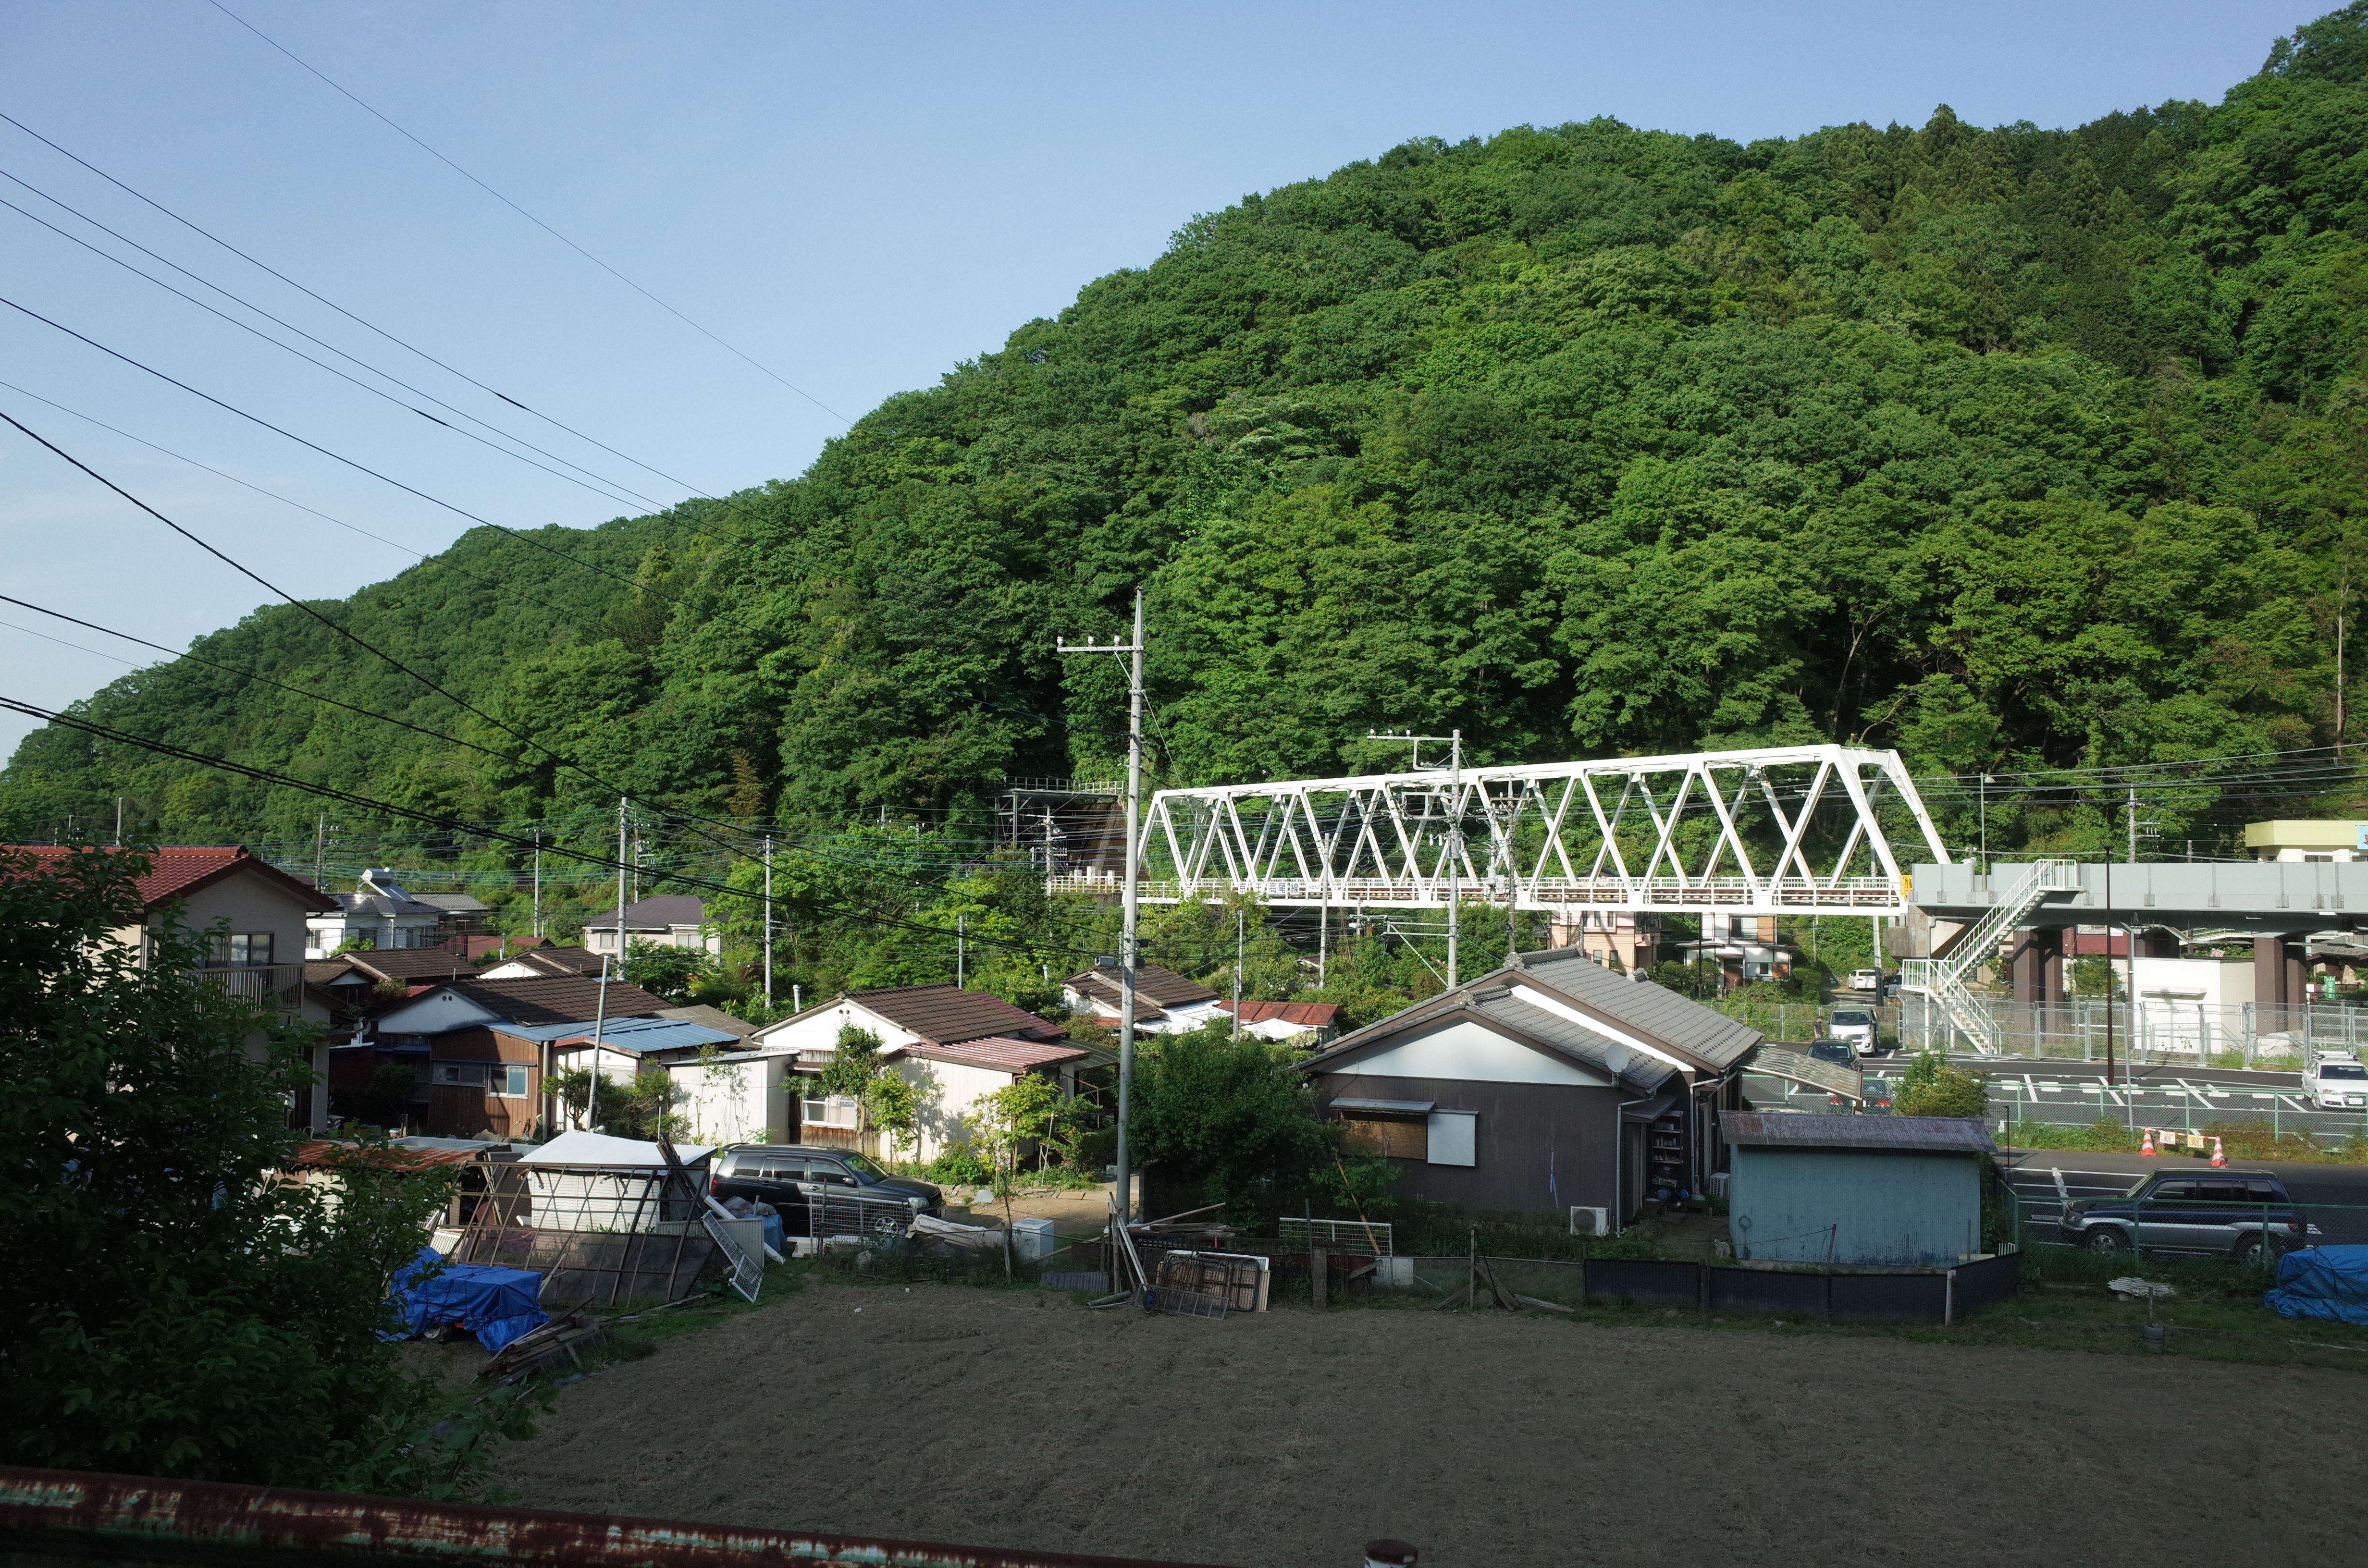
(794, 1178)
(2232, 1214)
(1866, 980)
(1855, 1026)
(1832, 1051)
(2337, 1081)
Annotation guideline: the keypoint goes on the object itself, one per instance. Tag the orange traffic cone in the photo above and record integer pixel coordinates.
(2219, 1156)
(2146, 1148)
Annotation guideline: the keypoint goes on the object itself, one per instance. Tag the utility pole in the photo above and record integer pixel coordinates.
(1983, 795)
(1241, 923)
(118, 824)
(1453, 741)
(320, 846)
(962, 956)
(623, 862)
(1131, 903)
(769, 920)
(538, 884)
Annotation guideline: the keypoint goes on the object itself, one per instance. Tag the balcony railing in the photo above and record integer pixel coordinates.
(276, 984)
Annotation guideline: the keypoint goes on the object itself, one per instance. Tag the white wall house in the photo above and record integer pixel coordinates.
(672, 921)
(378, 913)
(954, 1045)
(1165, 1000)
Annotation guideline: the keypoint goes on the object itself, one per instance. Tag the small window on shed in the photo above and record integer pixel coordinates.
(1398, 1136)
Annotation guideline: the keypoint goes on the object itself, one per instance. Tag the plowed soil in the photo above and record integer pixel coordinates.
(1286, 1440)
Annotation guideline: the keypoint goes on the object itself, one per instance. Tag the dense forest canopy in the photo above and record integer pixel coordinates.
(2010, 446)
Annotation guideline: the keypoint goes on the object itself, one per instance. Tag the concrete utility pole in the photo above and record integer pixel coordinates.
(623, 862)
(1453, 742)
(769, 921)
(1131, 904)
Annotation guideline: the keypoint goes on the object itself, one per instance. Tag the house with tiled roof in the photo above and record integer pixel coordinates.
(530, 962)
(671, 920)
(1551, 1083)
(1307, 1021)
(952, 1044)
(481, 1049)
(256, 913)
(1165, 1000)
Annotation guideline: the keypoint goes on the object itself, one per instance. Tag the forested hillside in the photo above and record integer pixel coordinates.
(2014, 447)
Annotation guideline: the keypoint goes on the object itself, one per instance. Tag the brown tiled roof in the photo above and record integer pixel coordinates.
(175, 870)
(948, 1013)
(1004, 1055)
(479, 946)
(1109, 994)
(1164, 986)
(558, 999)
(1306, 1014)
(410, 963)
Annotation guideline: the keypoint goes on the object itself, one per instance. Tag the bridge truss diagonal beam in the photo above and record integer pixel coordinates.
(1785, 831)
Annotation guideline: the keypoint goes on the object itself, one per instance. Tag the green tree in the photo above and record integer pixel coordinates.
(666, 970)
(1228, 1114)
(181, 1311)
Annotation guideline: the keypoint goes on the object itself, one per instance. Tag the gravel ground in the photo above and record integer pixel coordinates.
(1011, 1419)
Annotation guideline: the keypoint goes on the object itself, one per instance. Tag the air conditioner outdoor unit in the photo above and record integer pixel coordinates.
(1585, 1222)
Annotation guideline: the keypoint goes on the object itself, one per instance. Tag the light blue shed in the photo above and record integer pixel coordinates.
(1898, 1191)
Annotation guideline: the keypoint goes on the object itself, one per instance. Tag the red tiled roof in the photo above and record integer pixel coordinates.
(1013, 1056)
(175, 870)
(1306, 1014)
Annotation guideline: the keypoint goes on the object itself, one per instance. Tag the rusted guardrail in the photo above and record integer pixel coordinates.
(145, 1519)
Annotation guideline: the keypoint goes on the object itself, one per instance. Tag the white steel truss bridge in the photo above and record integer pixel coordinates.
(1789, 831)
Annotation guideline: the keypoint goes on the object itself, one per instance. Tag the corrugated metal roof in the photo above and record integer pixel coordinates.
(1654, 1011)
(1306, 1014)
(1004, 1056)
(1934, 1134)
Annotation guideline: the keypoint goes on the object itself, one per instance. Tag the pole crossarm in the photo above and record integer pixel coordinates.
(1787, 831)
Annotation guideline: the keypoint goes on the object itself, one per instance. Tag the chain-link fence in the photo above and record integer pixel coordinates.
(2153, 1031)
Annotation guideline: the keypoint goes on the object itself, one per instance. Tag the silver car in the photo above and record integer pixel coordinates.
(2336, 1083)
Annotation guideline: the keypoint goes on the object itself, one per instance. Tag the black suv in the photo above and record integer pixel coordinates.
(797, 1179)
(2226, 1213)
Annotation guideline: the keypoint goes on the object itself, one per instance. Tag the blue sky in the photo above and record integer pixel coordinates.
(854, 196)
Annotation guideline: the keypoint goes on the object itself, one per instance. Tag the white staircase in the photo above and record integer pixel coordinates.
(1943, 981)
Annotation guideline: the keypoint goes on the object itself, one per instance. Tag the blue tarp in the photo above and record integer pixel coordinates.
(2322, 1282)
(495, 1304)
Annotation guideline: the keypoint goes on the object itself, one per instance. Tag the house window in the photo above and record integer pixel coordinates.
(466, 1074)
(510, 1081)
(1398, 1136)
(836, 1110)
(1454, 1138)
(242, 949)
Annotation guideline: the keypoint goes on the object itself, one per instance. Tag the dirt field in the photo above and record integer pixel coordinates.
(1286, 1440)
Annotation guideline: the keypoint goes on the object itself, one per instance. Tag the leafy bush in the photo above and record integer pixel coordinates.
(1226, 1115)
(1931, 1086)
(172, 1308)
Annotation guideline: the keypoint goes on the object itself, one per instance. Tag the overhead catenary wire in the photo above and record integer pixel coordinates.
(349, 96)
(332, 304)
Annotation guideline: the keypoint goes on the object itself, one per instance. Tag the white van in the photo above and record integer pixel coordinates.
(1854, 1026)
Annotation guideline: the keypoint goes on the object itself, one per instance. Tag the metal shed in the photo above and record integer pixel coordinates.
(1895, 1191)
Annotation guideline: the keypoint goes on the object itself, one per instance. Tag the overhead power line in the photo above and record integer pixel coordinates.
(358, 320)
(437, 819)
(530, 217)
(594, 482)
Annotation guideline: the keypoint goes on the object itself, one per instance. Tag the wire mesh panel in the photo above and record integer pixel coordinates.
(598, 1236)
(832, 1216)
(1185, 1303)
(1237, 1279)
(1364, 1238)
